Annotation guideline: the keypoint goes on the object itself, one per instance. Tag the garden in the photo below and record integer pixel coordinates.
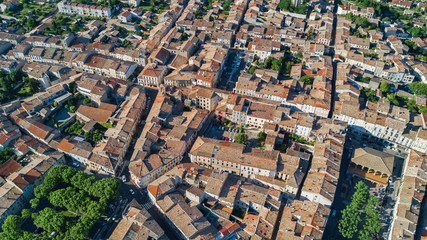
(28, 15)
(15, 84)
(6, 154)
(66, 205)
(283, 65)
(418, 88)
(94, 136)
(63, 24)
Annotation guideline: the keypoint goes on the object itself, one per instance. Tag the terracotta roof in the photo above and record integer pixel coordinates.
(96, 114)
(65, 145)
(9, 167)
(107, 106)
(374, 159)
(32, 176)
(39, 130)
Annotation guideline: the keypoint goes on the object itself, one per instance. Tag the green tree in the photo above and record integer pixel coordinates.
(70, 199)
(31, 84)
(55, 122)
(26, 213)
(393, 99)
(106, 189)
(411, 105)
(372, 224)
(361, 193)
(299, 55)
(72, 86)
(34, 202)
(418, 88)
(350, 219)
(252, 69)
(6, 154)
(75, 128)
(365, 79)
(50, 220)
(384, 87)
(74, 28)
(67, 173)
(12, 229)
(261, 136)
(87, 101)
(12, 224)
(241, 138)
(306, 79)
(55, 104)
(73, 109)
(94, 136)
(41, 191)
(360, 219)
(78, 180)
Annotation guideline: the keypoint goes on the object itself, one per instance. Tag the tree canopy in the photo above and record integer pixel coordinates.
(9, 85)
(287, 5)
(75, 128)
(418, 88)
(79, 201)
(306, 79)
(6, 154)
(12, 229)
(241, 138)
(384, 87)
(50, 220)
(261, 136)
(361, 217)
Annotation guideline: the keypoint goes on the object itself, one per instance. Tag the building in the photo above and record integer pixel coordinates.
(84, 9)
(372, 165)
(234, 158)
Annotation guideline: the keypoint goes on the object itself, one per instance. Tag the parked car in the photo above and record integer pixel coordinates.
(124, 178)
(131, 191)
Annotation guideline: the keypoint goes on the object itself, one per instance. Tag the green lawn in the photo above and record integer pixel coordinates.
(69, 214)
(107, 125)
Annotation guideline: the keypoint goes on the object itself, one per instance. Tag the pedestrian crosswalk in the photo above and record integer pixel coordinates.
(147, 205)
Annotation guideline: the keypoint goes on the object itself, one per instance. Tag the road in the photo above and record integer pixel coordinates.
(339, 203)
(234, 64)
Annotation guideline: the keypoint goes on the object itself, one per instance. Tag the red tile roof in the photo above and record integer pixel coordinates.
(9, 167)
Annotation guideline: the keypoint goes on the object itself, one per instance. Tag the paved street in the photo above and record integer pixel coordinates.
(234, 64)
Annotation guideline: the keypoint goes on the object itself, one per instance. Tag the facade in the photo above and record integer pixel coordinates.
(84, 9)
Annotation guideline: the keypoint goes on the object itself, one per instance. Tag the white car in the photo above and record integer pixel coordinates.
(131, 191)
(124, 178)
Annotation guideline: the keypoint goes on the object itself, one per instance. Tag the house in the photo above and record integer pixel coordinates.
(207, 99)
(234, 158)
(152, 75)
(84, 9)
(125, 16)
